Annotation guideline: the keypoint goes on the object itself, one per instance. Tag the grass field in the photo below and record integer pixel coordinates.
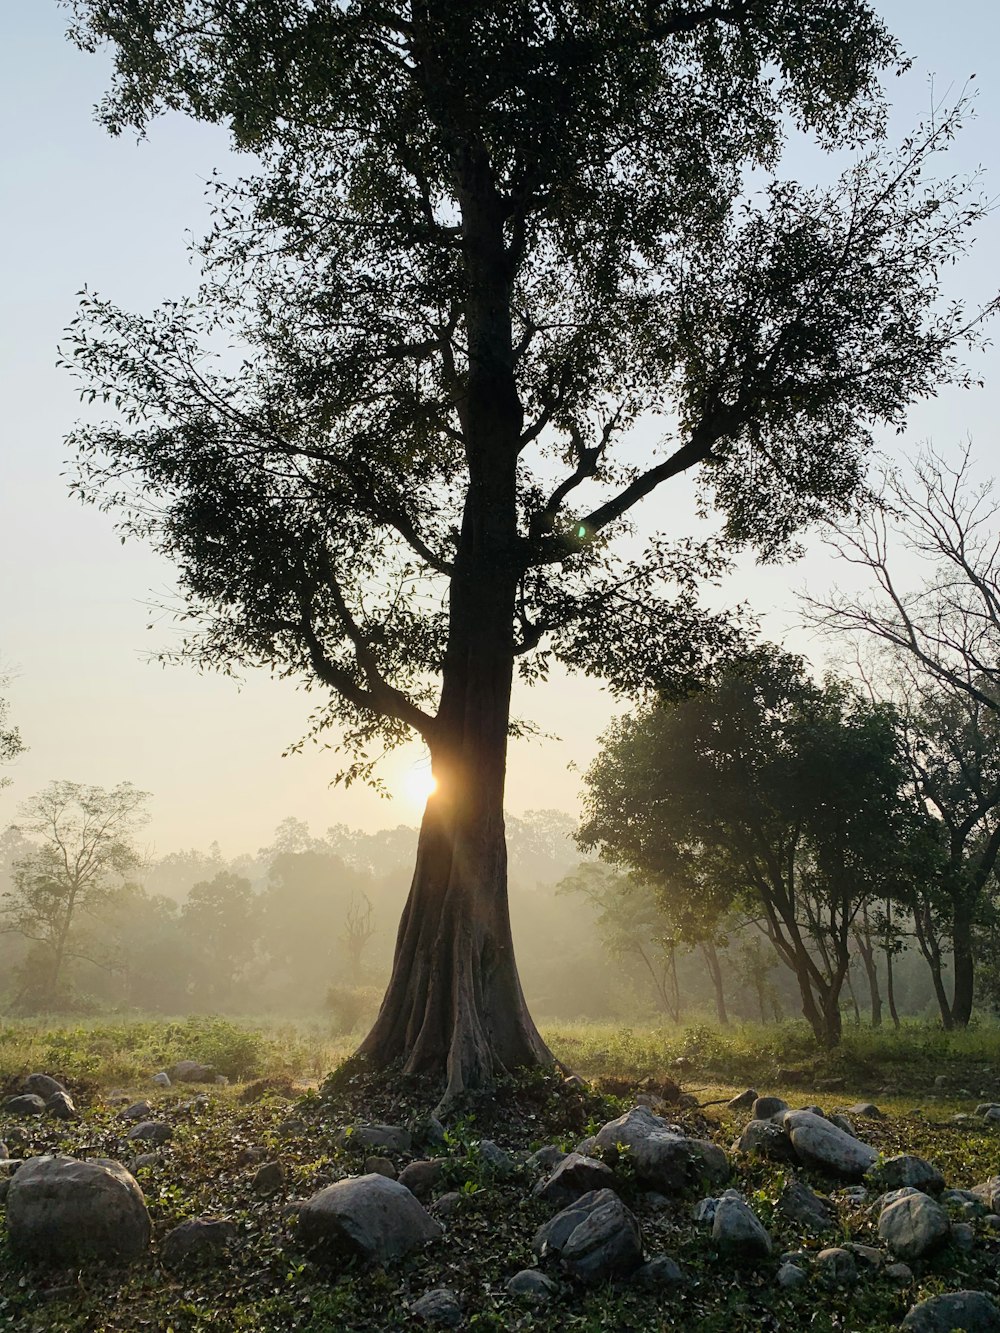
(269, 1284)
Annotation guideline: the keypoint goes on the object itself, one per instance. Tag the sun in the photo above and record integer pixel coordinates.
(419, 783)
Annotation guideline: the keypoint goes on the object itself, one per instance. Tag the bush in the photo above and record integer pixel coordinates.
(350, 1007)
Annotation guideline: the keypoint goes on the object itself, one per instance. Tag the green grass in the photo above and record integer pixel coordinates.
(269, 1285)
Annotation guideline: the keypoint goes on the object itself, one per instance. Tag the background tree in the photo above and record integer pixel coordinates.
(486, 241)
(940, 642)
(11, 744)
(767, 793)
(82, 856)
(219, 919)
(359, 927)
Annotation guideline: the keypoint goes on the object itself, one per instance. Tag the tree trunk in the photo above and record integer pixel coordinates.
(923, 928)
(454, 1006)
(890, 987)
(854, 1001)
(715, 972)
(863, 939)
(964, 964)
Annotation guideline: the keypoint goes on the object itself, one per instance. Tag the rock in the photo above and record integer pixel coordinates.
(439, 1307)
(820, 1144)
(835, 1267)
(151, 1131)
(60, 1105)
(429, 1130)
(704, 1211)
(913, 1225)
(738, 1232)
(989, 1193)
(29, 1103)
(142, 1161)
(866, 1111)
(575, 1175)
(162, 1079)
(371, 1216)
(62, 1211)
(595, 1238)
(970, 1311)
(791, 1276)
(379, 1166)
(901, 1273)
(422, 1177)
(992, 1223)
(269, 1178)
(800, 1205)
(389, 1137)
(765, 1107)
(221, 1081)
(447, 1203)
(42, 1085)
(909, 1170)
(190, 1071)
(867, 1255)
(137, 1111)
(743, 1100)
(4, 1154)
(493, 1156)
(197, 1238)
(532, 1286)
(544, 1160)
(941, 1081)
(842, 1122)
(659, 1272)
(762, 1138)
(992, 1116)
(663, 1157)
(963, 1235)
(587, 1147)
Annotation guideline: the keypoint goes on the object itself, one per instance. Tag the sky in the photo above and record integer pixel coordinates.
(79, 613)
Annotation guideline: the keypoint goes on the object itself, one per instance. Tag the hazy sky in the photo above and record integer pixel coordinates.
(75, 606)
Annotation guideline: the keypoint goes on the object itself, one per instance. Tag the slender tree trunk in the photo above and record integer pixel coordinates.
(854, 1001)
(890, 987)
(863, 939)
(715, 972)
(929, 946)
(963, 962)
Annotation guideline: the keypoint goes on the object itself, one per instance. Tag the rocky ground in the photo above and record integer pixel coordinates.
(550, 1205)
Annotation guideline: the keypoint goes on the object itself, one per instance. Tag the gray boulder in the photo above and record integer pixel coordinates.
(390, 1138)
(423, 1176)
(137, 1111)
(28, 1103)
(191, 1071)
(439, 1308)
(151, 1131)
(909, 1170)
(818, 1143)
(866, 1110)
(913, 1225)
(659, 1272)
(269, 1178)
(595, 1238)
(763, 1138)
(371, 1216)
(532, 1286)
(61, 1211)
(970, 1311)
(162, 1079)
(765, 1107)
(496, 1158)
(381, 1166)
(60, 1105)
(544, 1160)
(738, 1232)
(836, 1267)
(197, 1238)
(803, 1207)
(791, 1276)
(989, 1193)
(743, 1101)
(575, 1175)
(42, 1085)
(663, 1157)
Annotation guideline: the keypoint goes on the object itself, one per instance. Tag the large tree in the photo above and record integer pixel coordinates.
(495, 279)
(765, 793)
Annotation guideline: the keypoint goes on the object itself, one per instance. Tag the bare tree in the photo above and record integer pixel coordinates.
(359, 927)
(941, 642)
(83, 852)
